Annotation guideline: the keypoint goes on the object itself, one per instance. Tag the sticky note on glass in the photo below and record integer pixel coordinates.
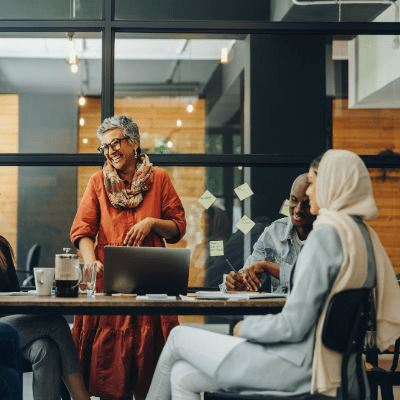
(243, 191)
(207, 199)
(285, 208)
(216, 248)
(245, 224)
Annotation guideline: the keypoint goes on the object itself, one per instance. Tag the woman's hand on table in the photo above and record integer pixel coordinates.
(252, 275)
(236, 328)
(138, 232)
(234, 281)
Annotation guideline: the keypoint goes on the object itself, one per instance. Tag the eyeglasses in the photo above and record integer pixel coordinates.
(115, 144)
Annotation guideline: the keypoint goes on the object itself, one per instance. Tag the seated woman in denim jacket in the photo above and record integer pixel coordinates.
(283, 353)
(45, 341)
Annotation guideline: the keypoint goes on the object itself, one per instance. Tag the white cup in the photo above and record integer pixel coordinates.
(44, 278)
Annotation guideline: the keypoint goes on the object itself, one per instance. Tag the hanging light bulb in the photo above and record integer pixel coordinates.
(82, 122)
(73, 59)
(189, 108)
(85, 140)
(178, 123)
(74, 68)
(224, 55)
(82, 100)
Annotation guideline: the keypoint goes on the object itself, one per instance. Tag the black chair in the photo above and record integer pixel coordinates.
(343, 331)
(32, 261)
(385, 378)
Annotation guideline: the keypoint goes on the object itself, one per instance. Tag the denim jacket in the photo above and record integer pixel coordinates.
(276, 244)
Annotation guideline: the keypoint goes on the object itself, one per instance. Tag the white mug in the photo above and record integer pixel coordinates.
(44, 278)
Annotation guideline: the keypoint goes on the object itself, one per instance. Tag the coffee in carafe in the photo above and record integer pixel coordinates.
(67, 274)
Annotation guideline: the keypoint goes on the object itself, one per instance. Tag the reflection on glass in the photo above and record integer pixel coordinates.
(180, 94)
(51, 9)
(40, 96)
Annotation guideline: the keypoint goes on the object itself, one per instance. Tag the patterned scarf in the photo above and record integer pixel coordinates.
(119, 196)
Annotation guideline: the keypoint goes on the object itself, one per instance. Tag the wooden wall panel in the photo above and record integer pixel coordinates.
(156, 118)
(9, 175)
(370, 131)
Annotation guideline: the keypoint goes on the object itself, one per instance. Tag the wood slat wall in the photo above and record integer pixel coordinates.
(156, 118)
(370, 131)
(9, 175)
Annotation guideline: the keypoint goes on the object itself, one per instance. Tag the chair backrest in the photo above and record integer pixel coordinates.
(32, 258)
(344, 331)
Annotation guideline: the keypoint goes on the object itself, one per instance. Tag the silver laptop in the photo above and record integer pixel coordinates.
(145, 270)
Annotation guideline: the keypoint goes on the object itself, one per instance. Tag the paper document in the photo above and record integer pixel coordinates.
(285, 210)
(243, 191)
(245, 224)
(14, 294)
(207, 199)
(214, 295)
(156, 298)
(216, 248)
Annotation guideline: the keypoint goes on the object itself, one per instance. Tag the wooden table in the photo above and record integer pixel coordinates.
(112, 305)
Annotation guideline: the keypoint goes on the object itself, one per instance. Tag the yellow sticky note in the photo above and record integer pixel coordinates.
(216, 248)
(245, 224)
(207, 199)
(243, 191)
(285, 208)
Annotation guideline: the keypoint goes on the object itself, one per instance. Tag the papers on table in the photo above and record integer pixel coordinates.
(156, 297)
(14, 294)
(214, 295)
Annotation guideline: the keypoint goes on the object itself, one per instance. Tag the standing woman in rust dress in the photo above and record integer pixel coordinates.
(128, 203)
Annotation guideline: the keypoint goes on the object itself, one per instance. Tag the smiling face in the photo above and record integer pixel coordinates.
(299, 206)
(123, 158)
(312, 191)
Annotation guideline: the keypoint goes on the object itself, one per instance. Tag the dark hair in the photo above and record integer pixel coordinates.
(3, 257)
(315, 163)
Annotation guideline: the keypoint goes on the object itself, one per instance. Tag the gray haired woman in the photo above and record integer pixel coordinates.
(128, 203)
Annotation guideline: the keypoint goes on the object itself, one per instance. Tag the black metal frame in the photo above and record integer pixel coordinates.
(108, 26)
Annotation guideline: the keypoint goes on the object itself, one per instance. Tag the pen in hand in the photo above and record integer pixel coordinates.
(231, 266)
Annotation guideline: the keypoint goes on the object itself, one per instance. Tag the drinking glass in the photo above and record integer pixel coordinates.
(88, 284)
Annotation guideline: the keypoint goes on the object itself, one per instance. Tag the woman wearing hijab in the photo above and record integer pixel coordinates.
(283, 353)
(128, 203)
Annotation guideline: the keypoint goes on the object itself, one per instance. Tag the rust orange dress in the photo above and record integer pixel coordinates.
(119, 353)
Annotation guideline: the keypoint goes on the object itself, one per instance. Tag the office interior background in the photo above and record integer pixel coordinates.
(224, 92)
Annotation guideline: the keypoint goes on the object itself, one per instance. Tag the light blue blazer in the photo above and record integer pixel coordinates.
(277, 355)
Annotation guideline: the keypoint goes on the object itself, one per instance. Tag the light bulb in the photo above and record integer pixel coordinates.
(240, 167)
(170, 144)
(85, 140)
(396, 43)
(82, 123)
(74, 68)
(224, 55)
(82, 100)
(178, 123)
(189, 108)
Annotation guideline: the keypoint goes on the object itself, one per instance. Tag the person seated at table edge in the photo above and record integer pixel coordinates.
(45, 341)
(278, 247)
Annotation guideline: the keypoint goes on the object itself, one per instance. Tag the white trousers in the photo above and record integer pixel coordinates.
(188, 363)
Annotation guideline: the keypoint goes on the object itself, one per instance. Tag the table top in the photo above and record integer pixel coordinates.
(121, 305)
